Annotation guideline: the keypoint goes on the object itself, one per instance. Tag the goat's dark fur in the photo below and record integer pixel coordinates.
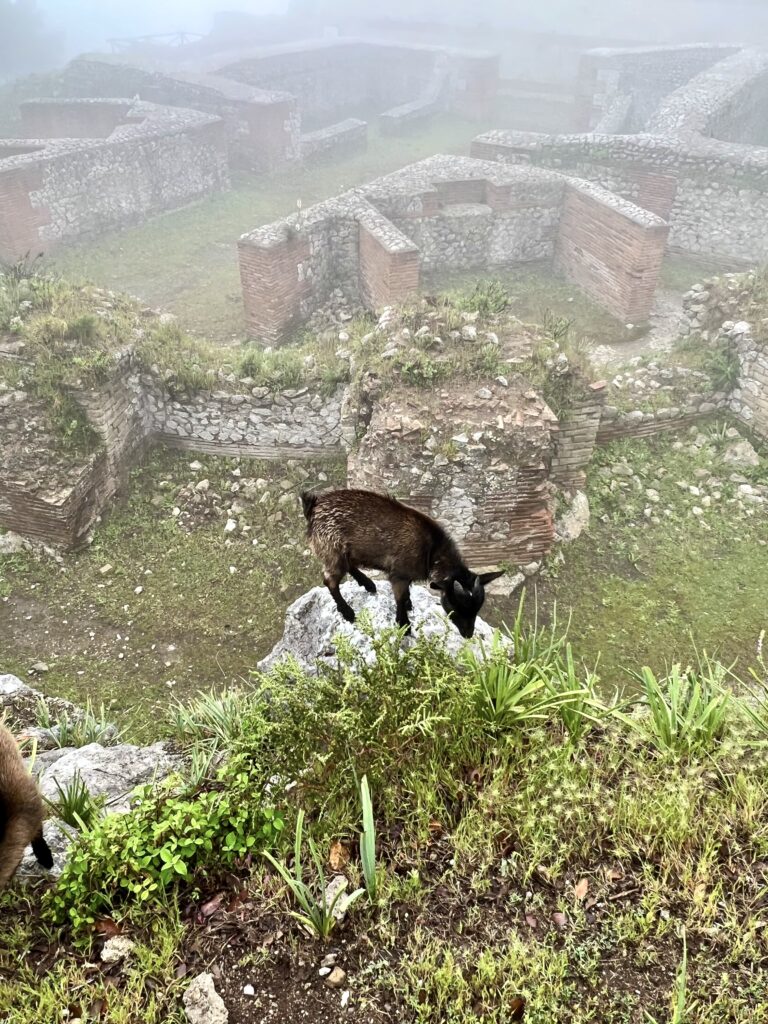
(21, 812)
(351, 529)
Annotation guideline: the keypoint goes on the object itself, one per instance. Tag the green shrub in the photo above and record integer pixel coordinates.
(488, 298)
(124, 860)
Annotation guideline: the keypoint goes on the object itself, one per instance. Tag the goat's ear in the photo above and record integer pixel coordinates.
(489, 577)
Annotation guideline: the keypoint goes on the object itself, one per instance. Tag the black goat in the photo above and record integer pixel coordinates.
(350, 529)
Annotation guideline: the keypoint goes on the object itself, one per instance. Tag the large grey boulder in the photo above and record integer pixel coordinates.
(112, 772)
(313, 622)
(741, 454)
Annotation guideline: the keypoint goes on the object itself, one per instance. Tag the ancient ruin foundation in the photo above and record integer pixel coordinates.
(449, 213)
(695, 156)
(85, 166)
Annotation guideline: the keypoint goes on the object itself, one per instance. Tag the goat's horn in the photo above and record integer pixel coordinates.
(477, 587)
(458, 587)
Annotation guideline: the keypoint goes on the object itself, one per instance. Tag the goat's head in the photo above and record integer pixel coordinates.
(462, 596)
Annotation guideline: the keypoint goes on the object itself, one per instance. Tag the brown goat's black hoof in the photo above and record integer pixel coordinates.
(348, 614)
(370, 586)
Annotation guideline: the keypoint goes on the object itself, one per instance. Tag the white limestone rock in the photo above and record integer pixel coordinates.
(203, 1004)
(572, 523)
(112, 772)
(312, 622)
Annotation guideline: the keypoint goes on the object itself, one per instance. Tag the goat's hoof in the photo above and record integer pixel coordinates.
(347, 614)
(370, 586)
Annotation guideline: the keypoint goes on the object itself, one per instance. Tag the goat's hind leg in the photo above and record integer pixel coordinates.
(332, 579)
(362, 580)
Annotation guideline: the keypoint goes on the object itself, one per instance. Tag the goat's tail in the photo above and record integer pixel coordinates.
(308, 502)
(42, 851)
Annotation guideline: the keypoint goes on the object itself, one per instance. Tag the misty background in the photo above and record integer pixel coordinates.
(41, 34)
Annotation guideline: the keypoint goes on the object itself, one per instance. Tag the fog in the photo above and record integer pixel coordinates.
(88, 24)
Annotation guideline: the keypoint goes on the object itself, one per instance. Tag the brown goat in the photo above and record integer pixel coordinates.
(21, 812)
(350, 529)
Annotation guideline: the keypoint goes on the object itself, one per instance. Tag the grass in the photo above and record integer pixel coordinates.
(654, 578)
(528, 873)
(186, 263)
(209, 607)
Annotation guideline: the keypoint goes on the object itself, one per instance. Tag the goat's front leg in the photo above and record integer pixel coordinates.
(362, 580)
(332, 581)
(402, 591)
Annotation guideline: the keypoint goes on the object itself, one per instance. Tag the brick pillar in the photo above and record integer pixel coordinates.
(576, 438)
(274, 283)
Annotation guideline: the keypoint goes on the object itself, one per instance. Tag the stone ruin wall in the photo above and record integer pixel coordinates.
(133, 411)
(263, 127)
(276, 102)
(729, 311)
(487, 460)
(635, 80)
(714, 193)
(477, 459)
(448, 213)
(140, 160)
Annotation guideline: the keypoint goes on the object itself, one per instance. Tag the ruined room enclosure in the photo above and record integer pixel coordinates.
(300, 101)
(450, 213)
(83, 167)
(678, 130)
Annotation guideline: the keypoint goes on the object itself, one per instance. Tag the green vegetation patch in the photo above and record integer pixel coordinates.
(503, 866)
(675, 557)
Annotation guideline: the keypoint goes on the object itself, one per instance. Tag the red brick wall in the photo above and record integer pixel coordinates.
(481, 76)
(656, 192)
(610, 256)
(20, 222)
(386, 277)
(269, 139)
(272, 287)
(76, 120)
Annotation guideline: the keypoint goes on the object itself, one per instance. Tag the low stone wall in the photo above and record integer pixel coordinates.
(729, 312)
(296, 423)
(156, 159)
(638, 78)
(448, 213)
(720, 102)
(342, 139)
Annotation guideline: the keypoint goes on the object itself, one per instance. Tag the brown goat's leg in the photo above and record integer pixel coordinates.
(332, 581)
(402, 591)
(362, 580)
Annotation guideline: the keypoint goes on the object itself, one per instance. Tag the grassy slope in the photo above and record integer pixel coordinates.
(518, 866)
(196, 622)
(653, 592)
